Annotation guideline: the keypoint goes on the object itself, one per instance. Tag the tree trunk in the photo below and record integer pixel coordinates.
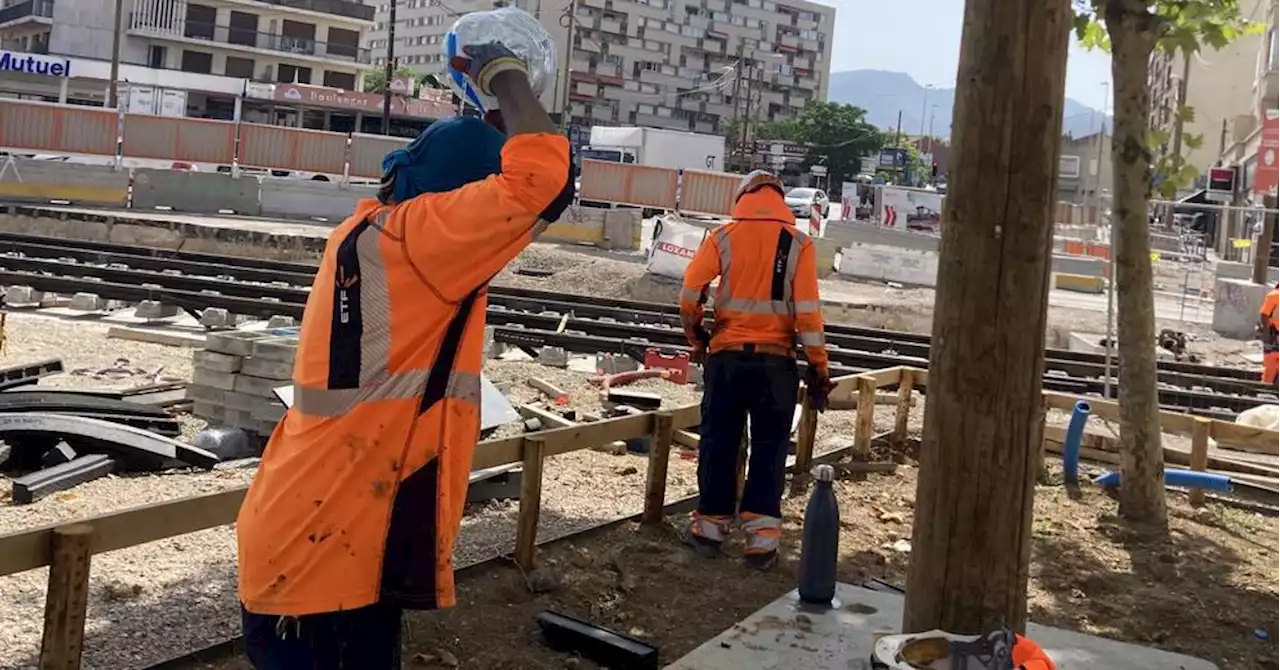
(971, 540)
(1142, 495)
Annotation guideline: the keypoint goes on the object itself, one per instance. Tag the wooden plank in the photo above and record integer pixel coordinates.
(549, 419)
(68, 598)
(1255, 482)
(1199, 455)
(29, 549)
(806, 435)
(1245, 438)
(655, 486)
(535, 453)
(885, 377)
(33, 548)
(864, 425)
(1173, 456)
(685, 438)
(906, 384)
(845, 388)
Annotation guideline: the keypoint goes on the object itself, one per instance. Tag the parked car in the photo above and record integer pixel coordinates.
(802, 199)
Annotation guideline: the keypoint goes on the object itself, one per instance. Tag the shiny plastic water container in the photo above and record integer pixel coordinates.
(515, 29)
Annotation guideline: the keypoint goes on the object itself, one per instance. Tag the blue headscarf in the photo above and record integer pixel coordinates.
(447, 155)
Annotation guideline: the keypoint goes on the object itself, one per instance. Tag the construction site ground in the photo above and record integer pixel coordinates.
(1210, 591)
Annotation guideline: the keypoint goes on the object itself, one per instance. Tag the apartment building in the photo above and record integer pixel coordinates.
(1220, 87)
(682, 64)
(288, 41)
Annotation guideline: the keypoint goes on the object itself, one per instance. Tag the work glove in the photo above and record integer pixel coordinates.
(820, 388)
(483, 62)
(702, 342)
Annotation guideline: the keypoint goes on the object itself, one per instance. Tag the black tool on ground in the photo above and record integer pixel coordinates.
(117, 410)
(608, 648)
(821, 541)
(23, 374)
(36, 485)
(641, 400)
(819, 388)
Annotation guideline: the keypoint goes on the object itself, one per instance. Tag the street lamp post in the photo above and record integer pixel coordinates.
(390, 70)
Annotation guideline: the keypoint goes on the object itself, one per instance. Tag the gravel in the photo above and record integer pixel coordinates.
(185, 586)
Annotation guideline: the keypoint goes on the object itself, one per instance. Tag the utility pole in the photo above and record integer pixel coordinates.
(897, 134)
(971, 542)
(113, 100)
(924, 105)
(1177, 130)
(390, 70)
(748, 66)
(735, 147)
(563, 94)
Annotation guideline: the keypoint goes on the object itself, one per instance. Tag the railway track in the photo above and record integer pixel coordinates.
(531, 318)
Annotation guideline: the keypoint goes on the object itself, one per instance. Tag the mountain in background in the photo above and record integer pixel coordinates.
(883, 94)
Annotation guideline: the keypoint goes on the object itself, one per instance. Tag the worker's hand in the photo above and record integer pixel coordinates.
(483, 62)
(820, 388)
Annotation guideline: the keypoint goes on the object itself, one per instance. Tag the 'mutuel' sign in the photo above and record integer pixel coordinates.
(49, 66)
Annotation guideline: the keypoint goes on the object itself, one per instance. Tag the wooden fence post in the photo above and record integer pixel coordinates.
(67, 599)
(1199, 454)
(906, 384)
(655, 486)
(865, 424)
(533, 451)
(806, 435)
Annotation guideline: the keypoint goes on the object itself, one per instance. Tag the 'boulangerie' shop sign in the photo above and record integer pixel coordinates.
(336, 98)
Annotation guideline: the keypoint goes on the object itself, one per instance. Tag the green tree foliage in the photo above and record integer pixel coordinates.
(1132, 30)
(838, 136)
(375, 79)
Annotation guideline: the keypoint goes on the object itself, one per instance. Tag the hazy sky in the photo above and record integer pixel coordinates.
(922, 39)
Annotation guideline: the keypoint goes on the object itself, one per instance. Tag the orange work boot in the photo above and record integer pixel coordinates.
(764, 534)
(707, 532)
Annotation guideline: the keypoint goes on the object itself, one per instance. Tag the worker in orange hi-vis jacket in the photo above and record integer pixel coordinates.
(766, 300)
(356, 506)
(1269, 333)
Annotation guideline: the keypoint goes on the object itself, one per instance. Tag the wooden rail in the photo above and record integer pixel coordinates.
(67, 547)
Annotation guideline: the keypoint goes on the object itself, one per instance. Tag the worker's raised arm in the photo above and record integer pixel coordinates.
(468, 235)
(702, 270)
(809, 325)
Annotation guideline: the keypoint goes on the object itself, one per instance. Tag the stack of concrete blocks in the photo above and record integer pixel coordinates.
(235, 377)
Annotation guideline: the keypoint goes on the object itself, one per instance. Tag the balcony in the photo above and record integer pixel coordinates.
(244, 39)
(31, 10)
(346, 8)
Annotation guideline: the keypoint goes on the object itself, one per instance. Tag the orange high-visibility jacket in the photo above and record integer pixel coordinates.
(1027, 655)
(1270, 310)
(360, 492)
(768, 291)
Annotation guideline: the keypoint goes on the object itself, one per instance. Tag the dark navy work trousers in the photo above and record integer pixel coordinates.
(739, 384)
(367, 638)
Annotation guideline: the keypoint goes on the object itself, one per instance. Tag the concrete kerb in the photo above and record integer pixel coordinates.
(123, 228)
(292, 199)
(45, 181)
(203, 193)
(1235, 307)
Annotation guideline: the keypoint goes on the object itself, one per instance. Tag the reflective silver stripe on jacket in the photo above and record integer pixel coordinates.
(376, 383)
(785, 307)
(812, 338)
(690, 294)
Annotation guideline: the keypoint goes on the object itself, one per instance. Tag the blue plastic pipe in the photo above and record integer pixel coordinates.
(1187, 479)
(1071, 446)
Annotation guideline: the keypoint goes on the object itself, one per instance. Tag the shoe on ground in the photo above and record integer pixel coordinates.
(764, 535)
(706, 533)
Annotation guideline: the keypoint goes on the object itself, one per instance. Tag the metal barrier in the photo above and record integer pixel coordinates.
(292, 148)
(51, 128)
(367, 152)
(643, 185)
(708, 192)
(187, 140)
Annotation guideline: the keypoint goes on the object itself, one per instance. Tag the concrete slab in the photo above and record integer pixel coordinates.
(1233, 270)
(785, 635)
(1235, 307)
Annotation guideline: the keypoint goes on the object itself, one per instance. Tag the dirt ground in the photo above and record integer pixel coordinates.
(1209, 590)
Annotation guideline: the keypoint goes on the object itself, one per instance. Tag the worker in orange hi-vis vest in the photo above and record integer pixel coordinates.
(767, 298)
(356, 506)
(1269, 333)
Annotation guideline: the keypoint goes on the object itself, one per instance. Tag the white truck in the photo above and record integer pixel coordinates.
(656, 147)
